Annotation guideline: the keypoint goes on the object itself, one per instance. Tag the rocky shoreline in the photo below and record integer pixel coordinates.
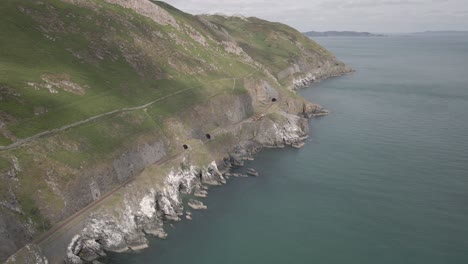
(145, 211)
(317, 76)
(148, 215)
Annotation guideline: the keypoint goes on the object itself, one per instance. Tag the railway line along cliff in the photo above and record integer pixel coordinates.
(117, 116)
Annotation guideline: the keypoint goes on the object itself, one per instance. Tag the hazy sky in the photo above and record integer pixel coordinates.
(358, 15)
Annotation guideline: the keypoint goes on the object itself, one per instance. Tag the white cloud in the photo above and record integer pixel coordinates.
(359, 15)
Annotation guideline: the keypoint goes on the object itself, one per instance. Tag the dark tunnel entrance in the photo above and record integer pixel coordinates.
(208, 136)
(185, 146)
(274, 100)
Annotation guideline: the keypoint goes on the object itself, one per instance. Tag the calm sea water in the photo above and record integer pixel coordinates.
(383, 178)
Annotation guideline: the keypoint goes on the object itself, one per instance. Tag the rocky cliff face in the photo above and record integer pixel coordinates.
(145, 208)
(147, 205)
(169, 101)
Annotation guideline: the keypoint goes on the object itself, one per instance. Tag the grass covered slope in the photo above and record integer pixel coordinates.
(63, 62)
(276, 47)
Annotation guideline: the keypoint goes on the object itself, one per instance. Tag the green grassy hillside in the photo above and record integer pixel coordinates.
(114, 56)
(64, 61)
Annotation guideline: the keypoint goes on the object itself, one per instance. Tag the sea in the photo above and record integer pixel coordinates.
(382, 179)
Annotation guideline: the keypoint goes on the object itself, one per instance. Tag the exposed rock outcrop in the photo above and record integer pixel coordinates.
(120, 230)
(143, 7)
(196, 205)
(146, 210)
(29, 254)
(309, 76)
(252, 172)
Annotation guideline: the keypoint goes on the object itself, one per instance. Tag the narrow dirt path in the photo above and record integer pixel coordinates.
(44, 237)
(82, 212)
(52, 131)
(90, 119)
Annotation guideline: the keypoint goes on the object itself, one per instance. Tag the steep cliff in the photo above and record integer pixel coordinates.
(114, 113)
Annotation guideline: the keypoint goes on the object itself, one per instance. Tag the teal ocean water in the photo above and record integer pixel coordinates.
(382, 179)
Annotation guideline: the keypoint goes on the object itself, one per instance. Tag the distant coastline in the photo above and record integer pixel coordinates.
(341, 34)
(440, 33)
